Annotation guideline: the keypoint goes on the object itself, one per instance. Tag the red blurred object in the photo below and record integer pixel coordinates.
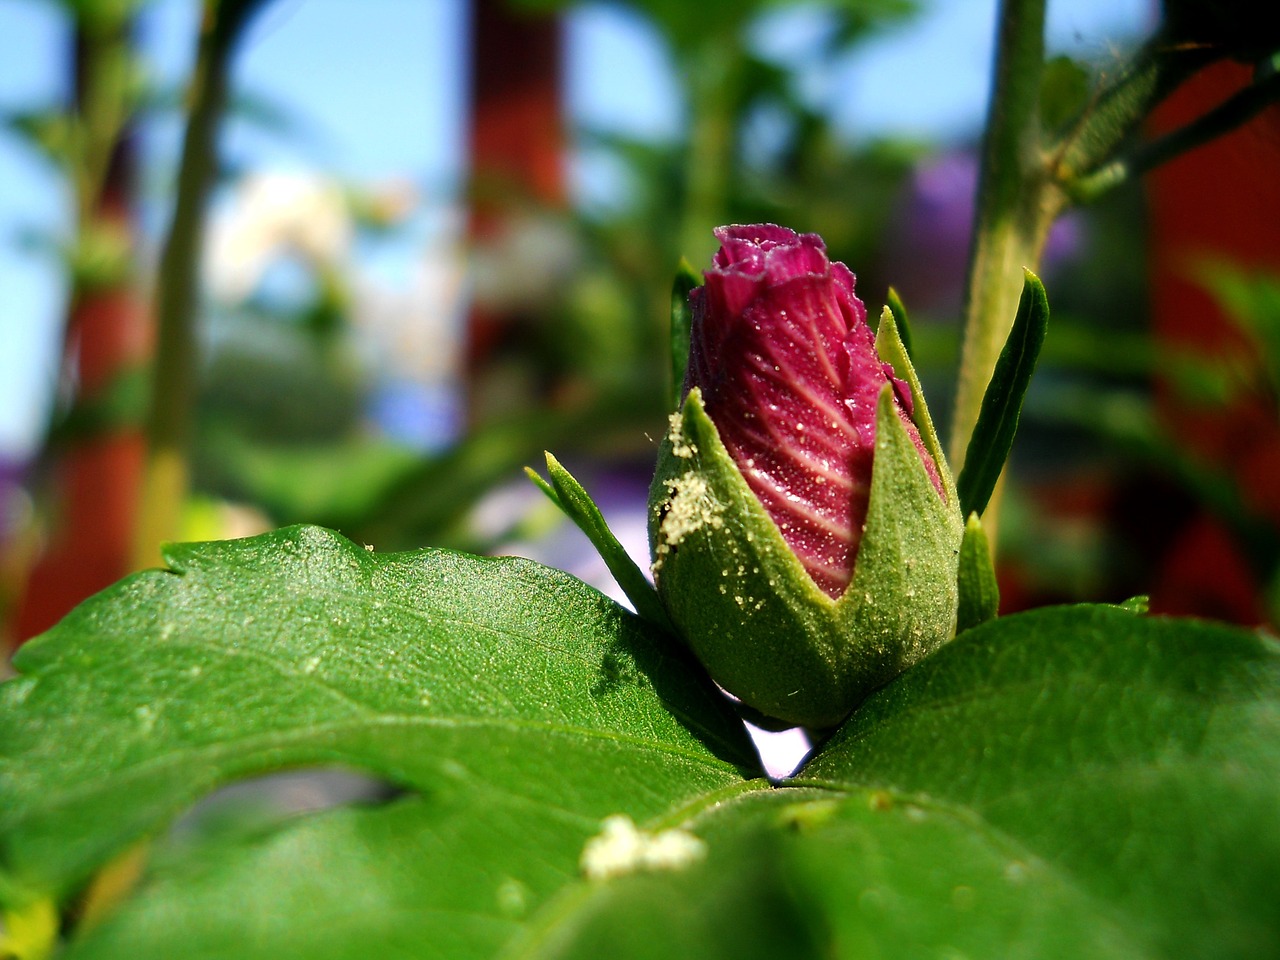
(1219, 202)
(93, 482)
(517, 141)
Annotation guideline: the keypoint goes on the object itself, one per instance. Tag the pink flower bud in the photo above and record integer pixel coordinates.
(789, 375)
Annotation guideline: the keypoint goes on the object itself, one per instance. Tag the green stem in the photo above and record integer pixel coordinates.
(711, 69)
(177, 289)
(1016, 205)
(106, 63)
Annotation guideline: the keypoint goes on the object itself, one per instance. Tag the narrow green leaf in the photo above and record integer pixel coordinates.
(567, 494)
(681, 320)
(899, 311)
(551, 493)
(979, 592)
(997, 423)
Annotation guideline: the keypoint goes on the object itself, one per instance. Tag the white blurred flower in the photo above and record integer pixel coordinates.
(271, 214)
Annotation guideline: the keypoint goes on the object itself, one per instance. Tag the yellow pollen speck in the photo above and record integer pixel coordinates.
(679, 446)
(689, 508)
(620, 848)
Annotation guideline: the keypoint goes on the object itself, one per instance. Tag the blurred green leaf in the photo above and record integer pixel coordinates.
(1064, 92)
(52, 132)
(1128, 423)
(1253, 301)
(336, 483)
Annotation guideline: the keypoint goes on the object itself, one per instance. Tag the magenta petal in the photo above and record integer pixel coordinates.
(790, 377)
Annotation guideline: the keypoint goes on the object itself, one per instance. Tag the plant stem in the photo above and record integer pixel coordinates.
(712, 70)
(1016, 205)
(177, 287)
(105, 64)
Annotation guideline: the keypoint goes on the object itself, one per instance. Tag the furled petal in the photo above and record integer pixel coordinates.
(789, 375)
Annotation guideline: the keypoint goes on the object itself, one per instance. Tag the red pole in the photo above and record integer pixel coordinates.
(517, 139)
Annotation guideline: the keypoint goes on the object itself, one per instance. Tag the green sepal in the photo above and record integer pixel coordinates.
(992, 436)
(685, 281)
(903, 596)
(573, 500)
(979, 592)
(893, 350)
(749, 609)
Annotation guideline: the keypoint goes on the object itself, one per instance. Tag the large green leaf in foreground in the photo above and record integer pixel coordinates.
(1138, 759)
(1069, 783)
(1075, 782)
(519, 706)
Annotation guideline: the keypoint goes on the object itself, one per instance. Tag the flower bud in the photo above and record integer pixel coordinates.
(804, 526)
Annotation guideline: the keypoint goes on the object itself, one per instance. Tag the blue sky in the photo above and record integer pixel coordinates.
(380, 94)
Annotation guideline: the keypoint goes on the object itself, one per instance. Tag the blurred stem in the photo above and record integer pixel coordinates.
(106, 62)
(177, 288)
(1016, 205)
(712, 68)
(1025, 183)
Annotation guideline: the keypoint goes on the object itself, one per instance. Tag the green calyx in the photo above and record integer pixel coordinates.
(750, 611)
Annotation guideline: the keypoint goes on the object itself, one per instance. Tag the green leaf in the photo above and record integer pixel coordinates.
(517, 707)
(997, 423)
(815, 874)
(1075, 782)
(1136, 759)
(567, 494)
(681, 321)
(979, 592)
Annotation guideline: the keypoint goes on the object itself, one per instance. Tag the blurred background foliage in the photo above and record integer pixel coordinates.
(301, 395)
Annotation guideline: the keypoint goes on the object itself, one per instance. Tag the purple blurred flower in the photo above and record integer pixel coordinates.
(789, 374)
(928, 243)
